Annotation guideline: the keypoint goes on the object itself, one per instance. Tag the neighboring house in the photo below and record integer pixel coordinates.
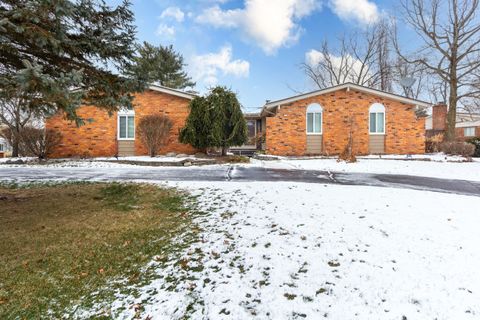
(321, 122)
(4, 147)
(5, 150)
(467, 124)
(109, 135)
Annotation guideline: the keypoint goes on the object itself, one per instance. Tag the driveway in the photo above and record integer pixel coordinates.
(237, 173)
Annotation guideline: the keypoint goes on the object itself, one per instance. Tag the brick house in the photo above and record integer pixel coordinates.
(108, 135)
(320, 122)
(467, 124)
(4, 147)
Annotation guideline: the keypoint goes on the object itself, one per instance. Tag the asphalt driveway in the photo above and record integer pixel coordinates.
(236, 173)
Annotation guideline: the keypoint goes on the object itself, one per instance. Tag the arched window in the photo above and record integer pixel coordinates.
(377, 118)
(314, 119)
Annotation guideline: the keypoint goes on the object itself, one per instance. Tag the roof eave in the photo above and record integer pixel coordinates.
(348, 86)
(171, 91)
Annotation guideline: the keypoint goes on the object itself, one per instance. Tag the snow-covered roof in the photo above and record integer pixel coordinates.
(466, 124)
(464, 120)
(174, 92)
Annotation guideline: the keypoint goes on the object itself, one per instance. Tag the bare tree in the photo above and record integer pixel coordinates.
(472, 103)
(362, 58)
(471, 106)
(15, 114)
(39, 141)
(450, 31)
(153, 131)
(402, 70)
(349, 154)
(384, 61)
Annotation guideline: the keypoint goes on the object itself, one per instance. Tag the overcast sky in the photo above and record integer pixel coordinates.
(254, 47)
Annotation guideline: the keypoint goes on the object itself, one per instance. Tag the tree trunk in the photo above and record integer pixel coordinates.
(224, 151)
(452, 111)
(15, 147)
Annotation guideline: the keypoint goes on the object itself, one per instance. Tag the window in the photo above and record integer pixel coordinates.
(469, 132)
(1, 147)
(126, 124)
(314, 119)
(377, 119)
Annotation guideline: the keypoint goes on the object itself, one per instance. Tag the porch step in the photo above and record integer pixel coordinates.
(244, 152)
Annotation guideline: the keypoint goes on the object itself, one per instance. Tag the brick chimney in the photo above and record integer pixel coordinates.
(439, 116)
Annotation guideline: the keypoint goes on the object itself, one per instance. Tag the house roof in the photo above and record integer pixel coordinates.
(252, 114)
(174, 92)
(466, 124)
(346, 86)
(464, 119)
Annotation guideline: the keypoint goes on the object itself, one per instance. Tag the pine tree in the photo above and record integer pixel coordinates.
(198, 125)
(215, 121)
(49, 47)
(161, 65)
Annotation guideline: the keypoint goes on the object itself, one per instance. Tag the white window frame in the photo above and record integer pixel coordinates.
(2, 147)
(315, 108)
(465, 132)
(375, 109)
(125, 113)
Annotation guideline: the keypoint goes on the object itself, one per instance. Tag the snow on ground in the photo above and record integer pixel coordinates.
(71, 164)
(287, 251)
(439, 157)
(439, 166)
(153, 159)
(100, 162)
(24, 159)
(434, 168)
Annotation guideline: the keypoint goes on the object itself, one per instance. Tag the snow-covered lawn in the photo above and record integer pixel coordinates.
(24, 159)
(178, 158)
(287, 251)
(436, 168)
(101, 162)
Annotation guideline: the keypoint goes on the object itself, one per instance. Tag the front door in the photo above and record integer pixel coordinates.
(252, 134)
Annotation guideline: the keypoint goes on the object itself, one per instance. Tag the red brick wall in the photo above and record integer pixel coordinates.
(94, 139)
(99, 138)
(286, 132)
(176, 108)
(439, 117)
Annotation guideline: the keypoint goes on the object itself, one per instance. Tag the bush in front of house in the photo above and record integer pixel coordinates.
(434, 144)
(476, 143)
(215, 121)
(153, 131)
(348, 154)
(39, 142)
(460, 148)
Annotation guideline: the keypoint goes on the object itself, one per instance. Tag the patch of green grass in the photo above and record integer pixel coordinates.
(174, 203)
(120, 195)
(65, 245)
